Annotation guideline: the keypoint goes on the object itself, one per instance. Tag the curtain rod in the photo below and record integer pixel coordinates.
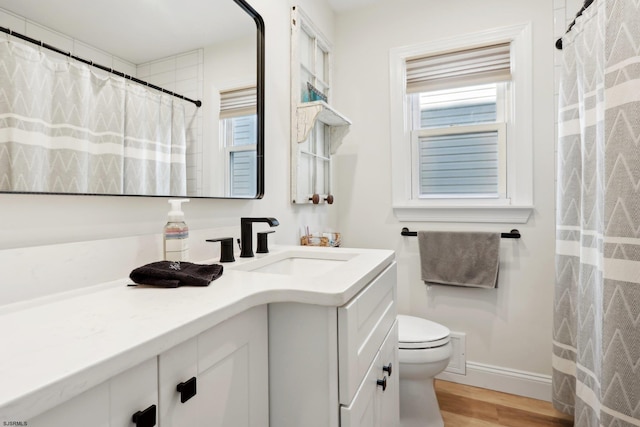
(514, 234)
(40, 43)
(584, 7)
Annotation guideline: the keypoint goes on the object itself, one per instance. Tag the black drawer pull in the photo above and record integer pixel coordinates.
(146, 418)
(387, 369)
(383, 383)
(187, 389)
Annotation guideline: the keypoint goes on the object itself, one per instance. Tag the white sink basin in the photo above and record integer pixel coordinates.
(300, 266)
(297, 263)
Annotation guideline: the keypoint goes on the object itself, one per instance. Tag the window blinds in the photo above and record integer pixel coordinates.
(238, 102)
(459, 164)
(487, 64)
(242, 164)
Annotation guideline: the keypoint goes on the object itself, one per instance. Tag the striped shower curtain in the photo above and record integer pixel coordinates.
(596, 337)
(155, 147)
(66, 129)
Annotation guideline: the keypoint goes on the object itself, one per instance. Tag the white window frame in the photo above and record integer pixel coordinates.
(308, 118)
(319, 44)
(517, 205)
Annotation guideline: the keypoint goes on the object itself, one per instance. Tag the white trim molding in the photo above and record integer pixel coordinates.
(518, 204)
(506, 380)
(507, 214)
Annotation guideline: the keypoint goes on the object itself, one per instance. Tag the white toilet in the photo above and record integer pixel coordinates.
(424, 352)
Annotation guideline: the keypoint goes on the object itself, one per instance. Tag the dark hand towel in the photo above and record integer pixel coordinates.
(171, 274)
(459, 258)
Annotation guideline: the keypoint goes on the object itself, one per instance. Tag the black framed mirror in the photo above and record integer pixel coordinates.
(102, 98)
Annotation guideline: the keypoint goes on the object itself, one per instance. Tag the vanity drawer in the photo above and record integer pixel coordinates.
(363, 324)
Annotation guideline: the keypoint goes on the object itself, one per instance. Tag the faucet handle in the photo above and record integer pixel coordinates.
(263, 247)
(226, 248)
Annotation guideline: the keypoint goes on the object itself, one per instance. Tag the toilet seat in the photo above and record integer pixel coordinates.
(418, 333)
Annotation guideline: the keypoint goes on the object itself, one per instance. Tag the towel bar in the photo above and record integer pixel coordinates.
(513, 234)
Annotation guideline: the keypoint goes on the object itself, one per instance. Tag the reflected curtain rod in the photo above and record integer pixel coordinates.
(584, 7)
(40, 43)
(514, 234)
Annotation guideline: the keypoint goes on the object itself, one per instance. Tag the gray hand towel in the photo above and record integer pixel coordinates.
(459, 258)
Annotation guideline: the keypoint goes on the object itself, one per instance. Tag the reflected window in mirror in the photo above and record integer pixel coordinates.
(238, 127)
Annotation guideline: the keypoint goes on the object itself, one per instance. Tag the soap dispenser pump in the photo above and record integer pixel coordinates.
(176, 233)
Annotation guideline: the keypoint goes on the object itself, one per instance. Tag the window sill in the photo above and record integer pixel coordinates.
(507, 214)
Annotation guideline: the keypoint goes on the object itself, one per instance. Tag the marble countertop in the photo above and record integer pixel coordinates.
(59, 346)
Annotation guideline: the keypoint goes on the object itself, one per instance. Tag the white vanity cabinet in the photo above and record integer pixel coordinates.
(112, 403)
(327, 364)
(280, 349)
(228, 364)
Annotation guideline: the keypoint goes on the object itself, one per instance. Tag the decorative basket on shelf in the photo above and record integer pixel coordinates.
(321, 239)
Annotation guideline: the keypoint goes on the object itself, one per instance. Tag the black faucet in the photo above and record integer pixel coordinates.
(226, 248)
(246, 234)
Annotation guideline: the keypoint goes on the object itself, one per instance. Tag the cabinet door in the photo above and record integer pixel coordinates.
(133, 391)
(389, 399)
(178, 366)
(111, 404)
(91, 408)
(233, 372)
(363, 410)
(376, 403)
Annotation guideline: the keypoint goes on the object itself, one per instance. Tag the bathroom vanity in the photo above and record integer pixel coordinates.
(299, 336)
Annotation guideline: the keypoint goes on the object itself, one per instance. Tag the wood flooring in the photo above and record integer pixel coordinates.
(466, 406)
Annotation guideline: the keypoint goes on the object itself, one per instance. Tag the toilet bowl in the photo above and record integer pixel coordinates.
(424, 352)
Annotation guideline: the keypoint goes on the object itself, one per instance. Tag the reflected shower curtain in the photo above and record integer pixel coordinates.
(66, 129)
(596, 337)
(50, 141)
(155, 158)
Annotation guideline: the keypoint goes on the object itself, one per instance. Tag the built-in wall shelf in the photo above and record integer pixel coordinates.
(319, 111)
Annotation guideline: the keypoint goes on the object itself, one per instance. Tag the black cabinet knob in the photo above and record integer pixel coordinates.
(383, 383)
(146, 418)
(187, 389)
(387, 369)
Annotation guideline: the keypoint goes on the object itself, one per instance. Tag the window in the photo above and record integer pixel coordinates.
(458, 128)
(315, 161)
(457, 154)
(314, 62)
(238, 127)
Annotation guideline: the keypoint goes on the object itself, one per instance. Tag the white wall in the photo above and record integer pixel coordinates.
(509, 327)
(30, 221)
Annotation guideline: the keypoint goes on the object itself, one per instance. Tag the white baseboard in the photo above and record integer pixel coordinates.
(506, 380)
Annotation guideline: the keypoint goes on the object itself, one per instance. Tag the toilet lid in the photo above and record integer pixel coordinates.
(415, 332)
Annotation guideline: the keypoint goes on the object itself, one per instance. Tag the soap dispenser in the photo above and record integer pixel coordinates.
(176, 233)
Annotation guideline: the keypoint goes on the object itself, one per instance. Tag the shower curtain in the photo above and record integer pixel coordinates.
(596, 337)
(66, 129)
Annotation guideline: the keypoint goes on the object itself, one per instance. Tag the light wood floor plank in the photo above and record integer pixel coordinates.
(466, 406)
(457, 420)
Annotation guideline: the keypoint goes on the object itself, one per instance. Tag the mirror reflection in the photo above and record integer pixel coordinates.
(121, 115)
